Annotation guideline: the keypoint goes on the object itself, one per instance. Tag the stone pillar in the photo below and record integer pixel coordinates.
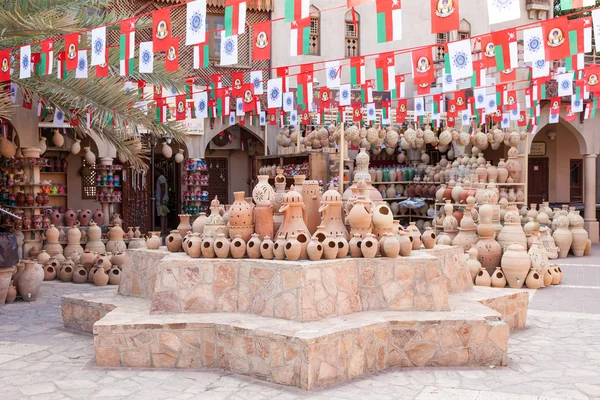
(589, 190)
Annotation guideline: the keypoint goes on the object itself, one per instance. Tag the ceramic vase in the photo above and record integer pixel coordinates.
(266, 248)
(253, 247)
(94, 242)
(483, 278)
(279, 248)
(428, 238)
(100, 277)
(80, 275)
(194, 245)
(174, 241)
(498, 278)
(222, 246)
(355, 243)
(154, 241)
(184, 224)
(293, 248)
(415, 234)
(369, 246)
(238, 247)
(563, 237)
(343, 246)
(472, 263)
(199, 223)
(405, 241)
(208, 246)
(314, 249)
(30, 281)
(515, 265)
(534, 279)
(391, 246)
(240, 217)
(330, 248)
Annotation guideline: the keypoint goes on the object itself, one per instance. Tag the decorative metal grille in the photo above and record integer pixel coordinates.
(88, 181)
(315, 42)
(136, 199)
(218, 178)
(576, 186)
(352, 39)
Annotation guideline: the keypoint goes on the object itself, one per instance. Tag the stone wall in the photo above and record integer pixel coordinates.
(140, 270)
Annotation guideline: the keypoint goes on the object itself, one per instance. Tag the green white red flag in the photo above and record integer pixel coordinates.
(47, 57)
(235, 17)
(506, 49)
(127, 47)
(300, 37)
(201, 55)
(296, 9)
(357, 71)
(389, 20)
(569, 4)
(385, 71)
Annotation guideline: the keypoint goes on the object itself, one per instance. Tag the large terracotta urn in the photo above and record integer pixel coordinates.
(359, 218)
(199, 223)
(515, 265)
(240, 217)
(563, 237)
(512, 231)
(332, 213)
(94, 235)
(580, 235)
(383, 220)
(30, 280)
(293, 215)
(311, 196)
(184, 224)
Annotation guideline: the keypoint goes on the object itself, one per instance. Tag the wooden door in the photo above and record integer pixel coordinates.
(537, 187)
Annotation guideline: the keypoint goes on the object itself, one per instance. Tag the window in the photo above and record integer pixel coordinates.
(352, 35)
(464, 30)
(215, 23)
(88, 180)
(441, 39)
(463, 35)
(315, 30)
(576, 186)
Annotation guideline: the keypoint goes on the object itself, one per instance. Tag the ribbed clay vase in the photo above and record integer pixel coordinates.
(184, 224)
(515, 265)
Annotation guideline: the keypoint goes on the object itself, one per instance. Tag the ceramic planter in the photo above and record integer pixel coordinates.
(174, 241)
(369, 246)
(238, 247)
(515, 265)
(222, 246)
(208, 246)
(253, 247)
(266, 248)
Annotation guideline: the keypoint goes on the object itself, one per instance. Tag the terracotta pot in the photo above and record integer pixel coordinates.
(547, 276)
(240, 220)
(174, 241)
(208, 246)
(303, 239)
(253, 247)
(315, 249)
(343, 246)
(266, 248)
(87, 258)
(238, 247)
(330, 248)
(473, 264)
(30, 281)
(70, 217)
(100, 277)
(194, 246)
(130, 233)
(369, 246)
(11, 294)
(184, 224)
(52, 235)
(91, 273)
(49, 272)
(279, 248)
(483, 278)
(80, 275)
(355, 244)
(405, 241)
(94, 242)
(114, 276)
(428, 238)
(7, 148)
(5, 278)
(222, 246)
(498, 278)
(534, 279)
(55, 218)
(263, 193)
(391, 246)
(383, 218)
(84, 217)
(563, 238)
(98, 216)
(43, 257)
(489, 252)
(556, 275)
(293, 248)
(154, 241)
(199, 223)
(415, 234)
(515, 265)
(118, 259)
(580, 239)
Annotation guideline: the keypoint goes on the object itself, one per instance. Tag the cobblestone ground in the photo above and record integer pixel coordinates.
(556, 357)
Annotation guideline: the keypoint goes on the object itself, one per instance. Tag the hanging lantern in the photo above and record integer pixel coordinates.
(90, 157)
(76, 147)
(167, 151)
(179, 157)
(58, 139)
(42, 145)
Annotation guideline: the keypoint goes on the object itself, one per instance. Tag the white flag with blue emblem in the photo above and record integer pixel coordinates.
(25, 63)
(515, 114)
(505, 121)
(540, 69)
(98, 46)
(371, 113)
(256, 79)
(345, 94)
(263, 118)
(201, 104)
(461, 59)
(533, 44)
(565, 84)
(480, 97)
(229, 49)
(146, 58)
(465, 117)
(503, 10)
(288, 101)
(419, 106)
(239, 107)
(195, 22)
(59, 118)
(82, 65)
(333, 70)
(553, 118)
(449, 83)
(231, 119)
(274, 93)
(576, 104)
(294, 118)
(490, 104)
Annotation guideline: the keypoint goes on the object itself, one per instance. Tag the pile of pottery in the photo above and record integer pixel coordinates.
(88, 267)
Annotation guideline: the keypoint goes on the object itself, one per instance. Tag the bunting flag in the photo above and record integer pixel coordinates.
(506, 49)
(325, 98)
(251, 102)
(82, 65)
(288, 101)
(283, 72)
(488, 54)
(569, 4)
(333, 69)
(389, 20)
(419, 106)
(401, 111)
(25, 62)
(345, 95)
(261, 45)
(461, 100)
(452, 111)
(555, 105)
(385, 72)
(237, 81)
(161, 29)
(448, 83)
(27, 100)
(576, 103)
(71, 49)
(161, 110)
(229, 50)
(510, 101)
(444, 16)
(127, 47)
(305, 117)
(491, 106)
(399, 91)
(239, 107)
(479, 77)
(305, 89)
(201, 104)
(102, 69)
(4, 65)
(223, 98)
(272, 115)
(98, 46)
(195, 22)
(357, 71)
(47, 57)
(385, 113)
(596, 25)
(296, 9)
(300, 37)
(422, 66)
(172, 58)
(366, 92)
(503, 10)
(590, 109)
(438, 104)
(274, 93)
(514, 113)
(565, 84)
(508, 75)
(357, 115)
(580, 35)
(557, 38)
(501, 95)
(592, 75)
(201, 55)
(540, 69)
(479, 96)
(458, 60)
(371, 112)
(42, 110)
(256, 79)
(522, 121)
(61, 65)
(180, 107)
(146, 65)
(235, 17)
(59, 118)
(570, 115)
(533, 45)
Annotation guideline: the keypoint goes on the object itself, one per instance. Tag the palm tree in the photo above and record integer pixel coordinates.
(28, 21)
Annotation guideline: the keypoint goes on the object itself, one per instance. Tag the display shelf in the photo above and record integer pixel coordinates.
(24, 185)
(108, 186)
(477, 205)
(53, 172)
(509, 184)
(109, 202)
(406, 182)
(27, 208)
(185, 184)
(413, 216)
(57, 195)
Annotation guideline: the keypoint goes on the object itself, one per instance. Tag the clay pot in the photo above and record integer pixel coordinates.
(94, 235)
(55, 218)
(174, 241)
(43, 257)
(428, 238)
(279, 248)
(303, 239)
(253, 247)
(369, 246)
(534, 279)
(184, 224)
(114, 276)
(84, 217)
(238, 247)
(49, 272)
(293, 248)
(405, 241)
(7, 148)
(263, 193)
(240, 217)
(314, 249)
(208, 246)
(473, 264)
(483, 278)
(266, 248)
(515, 265)
(330, 248)
(199, 223)
(557, 275)
(52, 235)
(80, 275)
(343, 246)
(415, 234)
(87, 258)
(222, 246)
(130, 233)
(194, 245)
(383, 218)
(30, 281)
(498, 278)
(547, 276)
(118, 259)
(154, 241)
(98, 216)
(100, 277)
(11, 295)
(391, 246)
(355, 244)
